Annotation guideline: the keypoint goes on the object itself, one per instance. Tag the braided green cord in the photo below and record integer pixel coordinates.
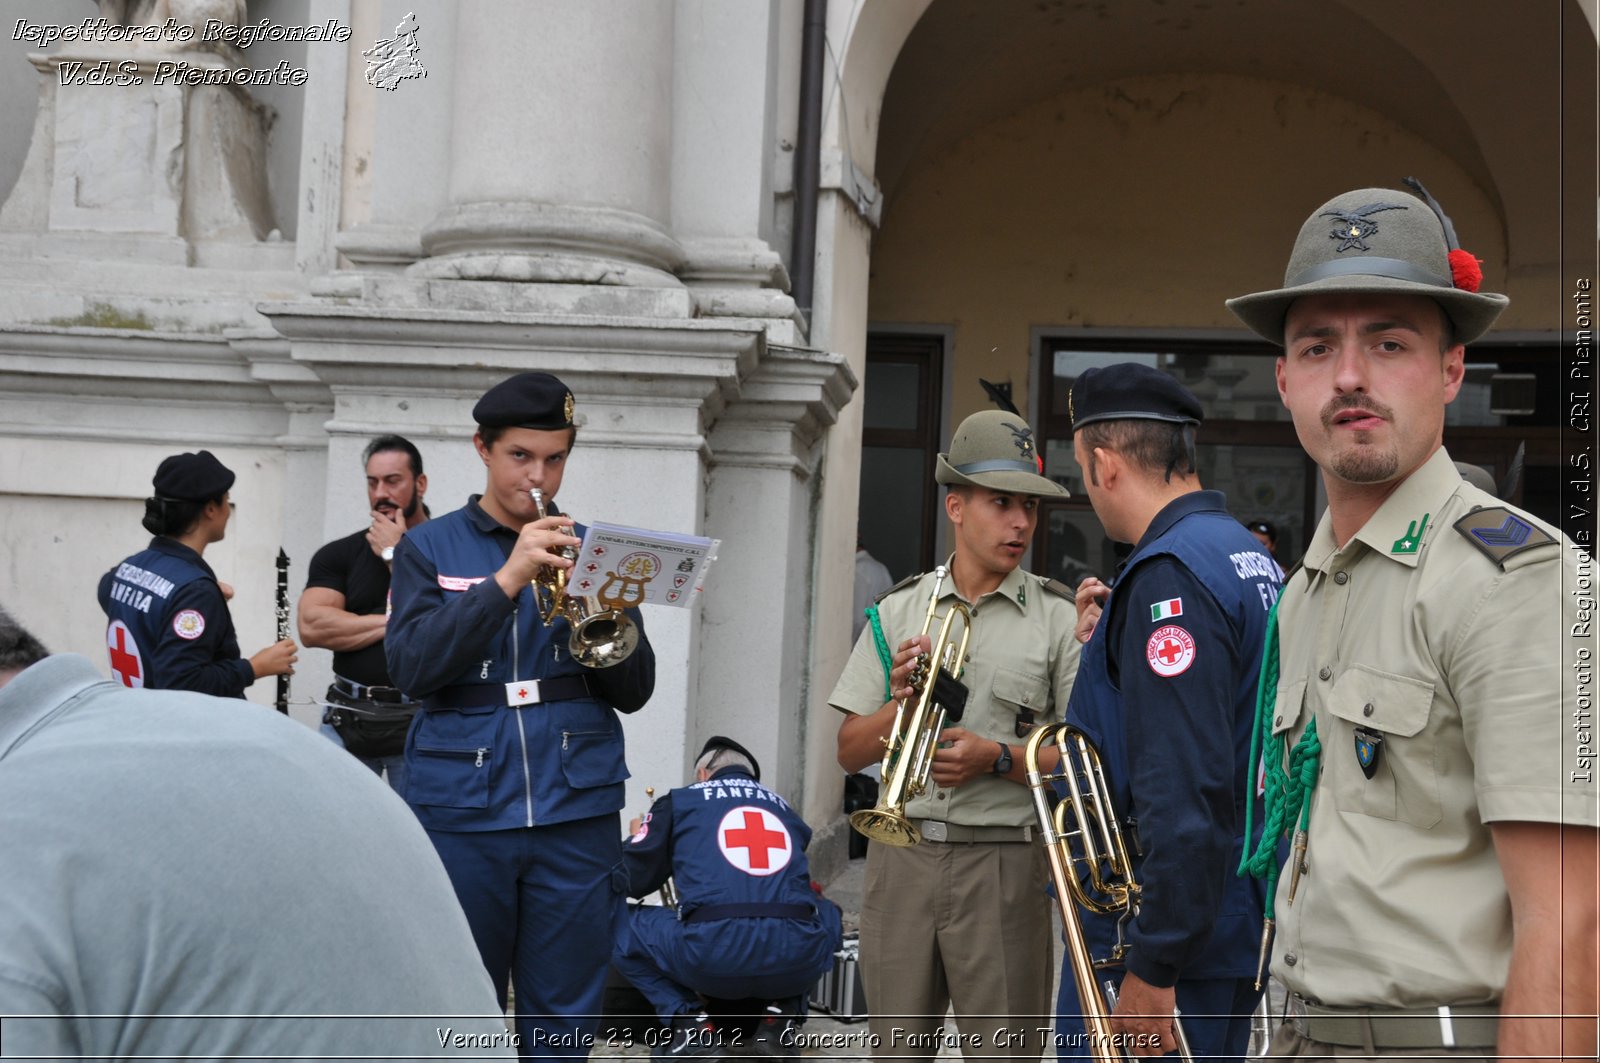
(871, 613)
(1287, 796)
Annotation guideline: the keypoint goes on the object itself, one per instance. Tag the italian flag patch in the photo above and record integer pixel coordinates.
(1163, 610)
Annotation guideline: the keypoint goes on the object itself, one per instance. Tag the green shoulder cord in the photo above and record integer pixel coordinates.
(871, 613)
(1287, 794)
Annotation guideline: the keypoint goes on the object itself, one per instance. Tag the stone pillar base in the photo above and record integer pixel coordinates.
(513, 241)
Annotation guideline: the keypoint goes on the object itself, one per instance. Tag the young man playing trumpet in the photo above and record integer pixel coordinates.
(515, 763)
(960, 918)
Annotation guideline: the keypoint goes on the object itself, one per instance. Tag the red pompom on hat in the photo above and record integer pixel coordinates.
(1466, 271)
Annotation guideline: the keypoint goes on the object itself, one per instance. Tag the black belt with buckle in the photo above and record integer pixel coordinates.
(754, 910)
(361, 692)
(1472, 1026)
(556, 688)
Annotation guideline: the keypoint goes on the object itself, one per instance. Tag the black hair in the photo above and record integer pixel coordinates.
(174, 516)
(18, 648)
(491, 435)
(385, 444)
(1164, 447)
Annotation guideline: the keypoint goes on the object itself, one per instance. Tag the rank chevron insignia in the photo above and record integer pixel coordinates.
(1513, 531)
(1500, 533)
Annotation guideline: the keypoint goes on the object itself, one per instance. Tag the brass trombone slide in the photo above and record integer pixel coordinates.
(1085, 818)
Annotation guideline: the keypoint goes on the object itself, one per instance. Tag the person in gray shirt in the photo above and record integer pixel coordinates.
(196, 877)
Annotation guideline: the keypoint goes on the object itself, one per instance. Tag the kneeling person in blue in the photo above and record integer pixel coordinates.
(1166, 691)
(747, 923)
(515, 763)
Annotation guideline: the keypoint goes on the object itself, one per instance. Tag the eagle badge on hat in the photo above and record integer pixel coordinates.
(566, 407)
(1354, 226)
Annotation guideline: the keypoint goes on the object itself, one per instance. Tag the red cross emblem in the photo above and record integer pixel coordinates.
(1170, 651)
(754, 841)
(522, 692)
(598, 551)
(125, 662)
(584, 585)
(591, 567)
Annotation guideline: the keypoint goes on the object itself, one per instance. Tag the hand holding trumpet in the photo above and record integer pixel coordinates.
(539, 544)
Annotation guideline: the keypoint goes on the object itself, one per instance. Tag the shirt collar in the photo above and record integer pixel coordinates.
(732, 770)
(39, 692)
(1180, 507)
(1403, 523)
(481, 520)
(1014, 588)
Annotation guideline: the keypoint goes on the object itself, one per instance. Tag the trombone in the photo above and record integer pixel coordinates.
(601, 635)
(910, 745)
(1088, 846)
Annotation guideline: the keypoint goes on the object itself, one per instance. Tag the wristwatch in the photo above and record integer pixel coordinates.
(1002, 763)
(388, 553)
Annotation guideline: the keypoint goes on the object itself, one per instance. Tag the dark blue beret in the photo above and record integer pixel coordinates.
(192, 477)
(719, 742)
(1129, 391)
(527, 400)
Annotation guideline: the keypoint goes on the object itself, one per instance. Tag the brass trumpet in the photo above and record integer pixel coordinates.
(911, 743)
(1101, 858)
(601, 636)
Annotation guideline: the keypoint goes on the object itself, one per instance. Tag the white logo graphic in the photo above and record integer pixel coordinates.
(391, 61)
(1170, 651)
(188, 624)
(754, 841)
(126, 664)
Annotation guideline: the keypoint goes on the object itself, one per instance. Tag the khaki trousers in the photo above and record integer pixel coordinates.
(957, 924)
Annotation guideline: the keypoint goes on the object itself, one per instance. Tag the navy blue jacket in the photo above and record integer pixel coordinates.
(455, 638)
(169, 626)
(1166, 690)
(728, 840)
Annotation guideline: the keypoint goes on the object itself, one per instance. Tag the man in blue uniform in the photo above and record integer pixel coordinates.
(515, 764)
(747, 923)
(168, 622)
(1167, 692)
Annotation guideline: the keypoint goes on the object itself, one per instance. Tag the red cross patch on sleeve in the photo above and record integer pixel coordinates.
(1170, 651)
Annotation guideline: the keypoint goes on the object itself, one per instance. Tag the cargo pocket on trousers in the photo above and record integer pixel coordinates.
(1404, 783)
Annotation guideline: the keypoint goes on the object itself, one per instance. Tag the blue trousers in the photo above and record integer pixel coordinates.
(672, 963)
(541, 909)
(395, 766)
(1215, 1013)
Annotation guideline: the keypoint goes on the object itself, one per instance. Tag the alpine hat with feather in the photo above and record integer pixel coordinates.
(1377, 240)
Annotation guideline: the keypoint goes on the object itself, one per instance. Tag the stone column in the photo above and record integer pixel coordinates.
(561, 146)
(762, 501)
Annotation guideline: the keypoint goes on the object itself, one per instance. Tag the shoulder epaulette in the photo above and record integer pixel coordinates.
(1501, 534)
(1055, 586)
(908, 581)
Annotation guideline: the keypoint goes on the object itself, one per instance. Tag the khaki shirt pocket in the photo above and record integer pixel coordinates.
(1017, 692)
(1405, 783)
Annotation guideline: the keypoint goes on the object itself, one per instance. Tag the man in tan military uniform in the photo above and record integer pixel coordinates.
(1445, 902)
(962, 918)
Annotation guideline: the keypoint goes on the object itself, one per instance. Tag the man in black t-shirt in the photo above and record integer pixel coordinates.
(345, 608)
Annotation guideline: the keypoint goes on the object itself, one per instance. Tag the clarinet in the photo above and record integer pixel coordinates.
(283, 625)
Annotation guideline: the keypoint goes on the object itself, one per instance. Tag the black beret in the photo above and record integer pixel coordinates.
(1129, 391)
(719, 742)
(192, 477)
(1265, 527)
(527, 400)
